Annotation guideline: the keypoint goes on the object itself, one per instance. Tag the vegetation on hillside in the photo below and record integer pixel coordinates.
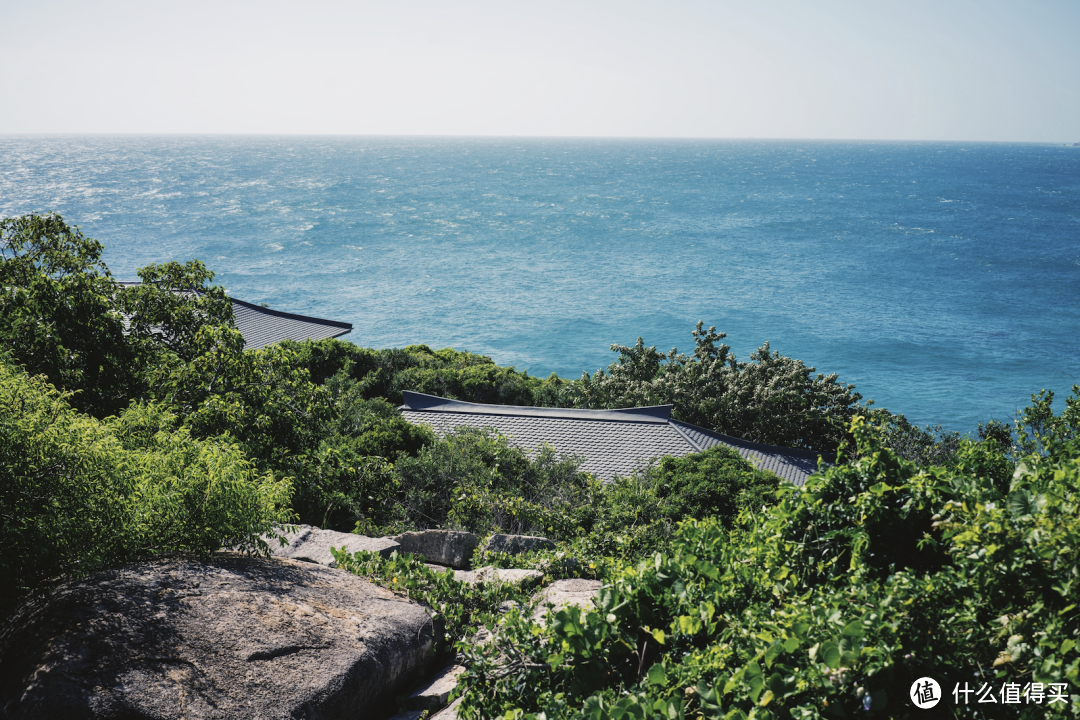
(830, 602)
(79, 494)
(133, 424)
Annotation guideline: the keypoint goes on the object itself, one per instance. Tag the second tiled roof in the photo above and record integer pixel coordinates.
(611, 442)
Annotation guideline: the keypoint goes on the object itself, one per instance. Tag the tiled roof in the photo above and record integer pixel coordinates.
(612, 442)
(792, 464)
(262, 326)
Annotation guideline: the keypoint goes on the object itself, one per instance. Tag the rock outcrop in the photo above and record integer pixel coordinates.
(565, 593)
(311, 544)
(433, 693)
(235, 637)
(517, 544)
(442, 547)
(521, 578)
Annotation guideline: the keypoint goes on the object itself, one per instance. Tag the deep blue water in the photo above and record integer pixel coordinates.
(942, 279)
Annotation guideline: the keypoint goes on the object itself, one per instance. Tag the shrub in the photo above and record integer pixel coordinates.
(1040, 432)
(771, 399)
(922, 446)
(476, 480)
(79, 494)
(193, 496)
(463, 607)
(828, 603)
(715, 483)
(447, 373)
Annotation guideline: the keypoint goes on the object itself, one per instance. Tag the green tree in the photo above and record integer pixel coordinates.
(715, 483)
(57, 316)
(771, 399)
(64, 316)
(171, 304)
(448, 373)
(1040, 432)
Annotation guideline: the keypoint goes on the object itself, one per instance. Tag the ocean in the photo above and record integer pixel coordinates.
(942, 279)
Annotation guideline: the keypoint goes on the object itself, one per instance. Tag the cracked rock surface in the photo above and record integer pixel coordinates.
(445, 547)
(311, 544)
(233, 637)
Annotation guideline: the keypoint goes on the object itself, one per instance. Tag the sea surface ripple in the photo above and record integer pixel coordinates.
(942, 279)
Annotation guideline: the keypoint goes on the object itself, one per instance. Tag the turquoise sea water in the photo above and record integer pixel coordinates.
(943, 280)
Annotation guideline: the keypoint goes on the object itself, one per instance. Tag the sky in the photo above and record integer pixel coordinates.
(913, 70)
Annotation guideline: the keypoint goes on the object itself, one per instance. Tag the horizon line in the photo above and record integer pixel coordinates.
(463, 136)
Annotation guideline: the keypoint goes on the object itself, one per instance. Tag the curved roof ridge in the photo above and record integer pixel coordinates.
(262, 326)
(760, 447)
(653, 414)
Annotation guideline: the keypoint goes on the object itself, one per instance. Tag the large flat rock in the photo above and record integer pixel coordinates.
(433, 693)
(444, 547)
(311, 544)
(235, 637)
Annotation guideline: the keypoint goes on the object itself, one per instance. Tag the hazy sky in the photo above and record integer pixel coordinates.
(901, 70)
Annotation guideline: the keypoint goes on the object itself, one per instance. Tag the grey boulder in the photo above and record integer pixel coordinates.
(444, 547)
(311, 544)
(520, 578)
(433, 693)
(566, 593)
(517, 544)
(234, 637)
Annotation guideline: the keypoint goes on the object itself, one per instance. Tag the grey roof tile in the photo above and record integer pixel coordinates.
(612, 442)
(792, 464)
(262, 326)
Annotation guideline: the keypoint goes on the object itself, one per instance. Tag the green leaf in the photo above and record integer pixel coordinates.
(771, 654)
(1021, 503)
(853, 629)
(753, 678)
(778, 685)
(657, 675)
(707, 693)
(830, 654)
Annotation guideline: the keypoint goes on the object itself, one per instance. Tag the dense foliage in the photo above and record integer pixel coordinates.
(461, 607)
(477, 481)
(56, 313)
(771, 399)
(447, 373)
(79, 493)
(828, 603)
